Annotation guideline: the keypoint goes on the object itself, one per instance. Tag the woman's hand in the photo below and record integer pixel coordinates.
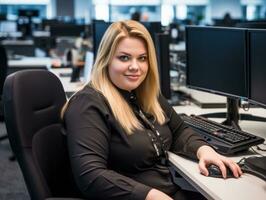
(207, 156)
(157, 195)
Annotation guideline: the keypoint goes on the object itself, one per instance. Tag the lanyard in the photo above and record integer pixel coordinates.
(158, 136)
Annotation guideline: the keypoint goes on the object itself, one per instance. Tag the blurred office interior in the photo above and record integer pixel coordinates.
(63, 29)
(62, 32)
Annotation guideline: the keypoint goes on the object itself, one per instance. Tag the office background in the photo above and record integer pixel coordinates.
(30, 23)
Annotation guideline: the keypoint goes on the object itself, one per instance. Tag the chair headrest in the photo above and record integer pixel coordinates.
(32, 100)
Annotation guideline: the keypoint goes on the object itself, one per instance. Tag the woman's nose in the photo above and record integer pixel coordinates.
(134, 65)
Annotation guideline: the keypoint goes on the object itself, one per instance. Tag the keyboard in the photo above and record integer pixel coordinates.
(226, 140)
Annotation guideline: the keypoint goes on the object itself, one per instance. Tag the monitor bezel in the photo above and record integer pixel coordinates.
(250, 99)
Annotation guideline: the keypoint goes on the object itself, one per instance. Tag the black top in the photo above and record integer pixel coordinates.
(109, 164)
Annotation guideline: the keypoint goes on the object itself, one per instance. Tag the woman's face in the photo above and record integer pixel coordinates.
(129, 65)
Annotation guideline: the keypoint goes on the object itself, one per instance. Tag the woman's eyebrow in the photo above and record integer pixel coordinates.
(122, 52)
(143, 54)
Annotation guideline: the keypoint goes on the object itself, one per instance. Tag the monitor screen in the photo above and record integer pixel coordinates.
(216, 60)
(252, 24)
(153, 28)
(257, 54)
(68, 30)
(28, 13)
(98, 30)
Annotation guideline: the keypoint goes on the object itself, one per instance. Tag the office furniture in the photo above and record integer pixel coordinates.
(179, 47)
(19, 47)
(205, 99)
(64, 74)
(162, 42)
(245, 188)
(3, 73)
(29, 63)
(32, 103)
(252, 24)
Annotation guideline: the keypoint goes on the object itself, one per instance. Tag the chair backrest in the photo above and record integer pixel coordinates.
(32, 103)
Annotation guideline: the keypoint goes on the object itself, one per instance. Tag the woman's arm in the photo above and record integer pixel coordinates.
(157, 195)
(185, 141)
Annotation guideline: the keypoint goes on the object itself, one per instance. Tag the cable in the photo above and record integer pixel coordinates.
(256, 151)
(259, 148)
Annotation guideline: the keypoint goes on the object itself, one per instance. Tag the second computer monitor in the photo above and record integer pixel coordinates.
(216, 60)
(257, 63)
(98, 29)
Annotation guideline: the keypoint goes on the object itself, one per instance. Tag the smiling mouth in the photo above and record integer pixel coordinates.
(133, 77)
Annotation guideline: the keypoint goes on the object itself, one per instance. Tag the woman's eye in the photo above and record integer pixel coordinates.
(123, 58)
(143, 58)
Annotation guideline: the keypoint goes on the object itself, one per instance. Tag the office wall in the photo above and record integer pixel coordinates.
(83, 9)
(219, 7)
(65, 8)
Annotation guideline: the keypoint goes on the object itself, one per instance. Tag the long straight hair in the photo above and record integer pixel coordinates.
(148, 91)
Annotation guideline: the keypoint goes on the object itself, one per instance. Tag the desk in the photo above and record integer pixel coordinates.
(245, 188)
(181, 46)
(205, 99)
(29, 63)
(45, 63)
(69, 87)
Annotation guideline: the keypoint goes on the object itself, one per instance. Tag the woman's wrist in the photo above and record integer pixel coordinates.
(155, 194)
(203, 149)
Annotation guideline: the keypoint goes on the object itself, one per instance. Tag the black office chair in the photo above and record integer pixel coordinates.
(3, 74)
(32, 103)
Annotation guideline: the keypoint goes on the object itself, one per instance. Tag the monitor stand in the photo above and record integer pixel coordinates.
(232, 115)
(75, 75)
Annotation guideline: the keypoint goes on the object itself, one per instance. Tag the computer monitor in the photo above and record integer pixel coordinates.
(162, 42)
(28, 13)
(98, 29)
(216, 60)
(217, 63)
(67, 30)
(257, 66)
(153, 28)
(252, 24)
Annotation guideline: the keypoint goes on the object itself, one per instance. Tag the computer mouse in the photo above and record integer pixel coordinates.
(214, 171)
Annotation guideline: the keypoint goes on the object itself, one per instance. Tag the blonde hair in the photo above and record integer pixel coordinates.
(148, 91)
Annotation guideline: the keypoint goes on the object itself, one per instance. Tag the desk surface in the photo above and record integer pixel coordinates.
(31, 62)
(69, 87)
(245, 188)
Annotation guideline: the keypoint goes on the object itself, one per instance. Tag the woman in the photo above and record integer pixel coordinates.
(119, 127)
